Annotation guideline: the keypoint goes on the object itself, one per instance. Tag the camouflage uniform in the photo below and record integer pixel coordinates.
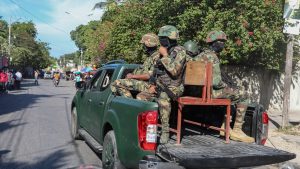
(221, 90)
(124, 86)
(173, 66)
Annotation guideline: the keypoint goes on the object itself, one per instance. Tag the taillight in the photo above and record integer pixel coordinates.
(265, 118)
(265, 127)
(147, 129)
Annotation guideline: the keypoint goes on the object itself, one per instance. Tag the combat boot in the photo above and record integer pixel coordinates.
(237, 134)
(222, 133)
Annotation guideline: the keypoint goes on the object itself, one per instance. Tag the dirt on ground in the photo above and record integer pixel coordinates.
(287, 140)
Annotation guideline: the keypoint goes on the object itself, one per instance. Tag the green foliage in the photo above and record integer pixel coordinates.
(25, 49)
(254, 29)
(75, 57)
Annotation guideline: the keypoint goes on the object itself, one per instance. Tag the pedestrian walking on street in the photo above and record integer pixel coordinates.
(36, 76)
(18, 79)
(3, 80)
(10, 82)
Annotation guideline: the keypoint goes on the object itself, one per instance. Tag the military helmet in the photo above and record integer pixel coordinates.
(169, 31)
(150, 40)
(191, 46)
(216, 35)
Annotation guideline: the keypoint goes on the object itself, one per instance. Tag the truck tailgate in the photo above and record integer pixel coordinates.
(204, 151)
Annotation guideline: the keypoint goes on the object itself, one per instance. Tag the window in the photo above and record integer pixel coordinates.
(125, 72)
(95, 80)
(107, 79)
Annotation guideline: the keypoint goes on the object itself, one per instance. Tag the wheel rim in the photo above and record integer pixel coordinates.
(109, 156)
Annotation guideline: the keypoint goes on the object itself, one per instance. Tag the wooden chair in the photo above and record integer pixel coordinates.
(200, 74)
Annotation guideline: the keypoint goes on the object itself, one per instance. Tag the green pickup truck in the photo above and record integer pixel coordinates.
(125, 131)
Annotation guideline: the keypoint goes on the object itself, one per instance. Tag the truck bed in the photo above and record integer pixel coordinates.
(206, 151)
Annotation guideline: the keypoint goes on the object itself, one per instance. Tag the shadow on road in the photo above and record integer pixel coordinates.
(9, 124)
(14, 103)
(56, 159)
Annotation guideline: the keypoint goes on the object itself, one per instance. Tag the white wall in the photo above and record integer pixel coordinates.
(266, 87)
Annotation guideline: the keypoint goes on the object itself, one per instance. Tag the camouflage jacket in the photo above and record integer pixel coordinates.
(209, 55)
(148, 65)
(175, 62)
(173, 65)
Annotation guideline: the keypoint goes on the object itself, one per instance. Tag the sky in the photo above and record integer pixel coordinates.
(54, 19)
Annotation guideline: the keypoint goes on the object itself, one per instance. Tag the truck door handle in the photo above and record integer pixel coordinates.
(101, 103)
(90, 100)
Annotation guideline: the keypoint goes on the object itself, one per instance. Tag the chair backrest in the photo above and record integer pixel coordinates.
(195, 73)
(199, 73)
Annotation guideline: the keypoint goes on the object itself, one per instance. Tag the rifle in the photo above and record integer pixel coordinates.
(160, 87)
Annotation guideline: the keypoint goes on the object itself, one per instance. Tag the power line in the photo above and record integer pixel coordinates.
(61, 30)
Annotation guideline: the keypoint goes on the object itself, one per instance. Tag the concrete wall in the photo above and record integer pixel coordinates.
(266, 87)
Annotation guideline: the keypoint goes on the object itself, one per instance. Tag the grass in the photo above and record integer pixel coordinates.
(291, 130)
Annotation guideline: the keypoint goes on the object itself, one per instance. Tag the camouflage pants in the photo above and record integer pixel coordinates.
(164, 104)
(124, 86)
(237, 97)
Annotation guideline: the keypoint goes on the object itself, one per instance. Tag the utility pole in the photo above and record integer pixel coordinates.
(81, 56)
(287, 81)
(9, 38)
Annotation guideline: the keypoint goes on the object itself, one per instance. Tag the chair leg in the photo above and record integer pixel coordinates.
(227, 128)
(179, 120)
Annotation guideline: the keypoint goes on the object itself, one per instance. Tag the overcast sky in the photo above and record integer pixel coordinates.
(54, 19)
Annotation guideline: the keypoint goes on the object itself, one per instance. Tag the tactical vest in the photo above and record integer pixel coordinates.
(167, 79)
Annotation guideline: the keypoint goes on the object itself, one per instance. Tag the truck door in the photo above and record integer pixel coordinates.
(98, 102)
(92, 89)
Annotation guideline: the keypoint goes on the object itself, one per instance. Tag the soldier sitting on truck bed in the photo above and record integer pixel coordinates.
(168, 82)
(192, 51)
(216, 41)
(138, 81)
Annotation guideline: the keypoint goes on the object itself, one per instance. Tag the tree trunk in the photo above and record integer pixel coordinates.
(287, 81)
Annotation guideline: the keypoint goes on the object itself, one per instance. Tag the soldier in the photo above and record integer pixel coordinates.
(173, 58)
(192, 50)
(216, 41)
(138, 81)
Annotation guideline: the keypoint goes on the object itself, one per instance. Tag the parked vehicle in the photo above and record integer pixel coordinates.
(124, 131)
(48, 75)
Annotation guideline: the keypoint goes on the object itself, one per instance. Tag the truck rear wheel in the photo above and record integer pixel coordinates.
(74, 125)
(110, 158)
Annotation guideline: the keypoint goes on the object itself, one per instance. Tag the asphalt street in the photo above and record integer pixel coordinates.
(35, 129)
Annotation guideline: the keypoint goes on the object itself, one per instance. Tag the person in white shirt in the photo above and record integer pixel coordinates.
(18, 79)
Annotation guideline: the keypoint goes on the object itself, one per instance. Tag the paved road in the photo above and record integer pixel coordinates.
(35, 129)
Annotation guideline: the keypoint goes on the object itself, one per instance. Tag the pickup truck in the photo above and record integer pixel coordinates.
(125, 131)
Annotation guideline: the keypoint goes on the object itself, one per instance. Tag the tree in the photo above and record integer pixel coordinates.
(25, 49)
(254, 29)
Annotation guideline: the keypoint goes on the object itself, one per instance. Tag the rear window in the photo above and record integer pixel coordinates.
(125, 72)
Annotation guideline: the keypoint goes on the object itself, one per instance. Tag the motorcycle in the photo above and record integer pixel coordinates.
(55, 82)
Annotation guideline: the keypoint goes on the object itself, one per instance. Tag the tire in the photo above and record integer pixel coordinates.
(110, 158)
(74, 125)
